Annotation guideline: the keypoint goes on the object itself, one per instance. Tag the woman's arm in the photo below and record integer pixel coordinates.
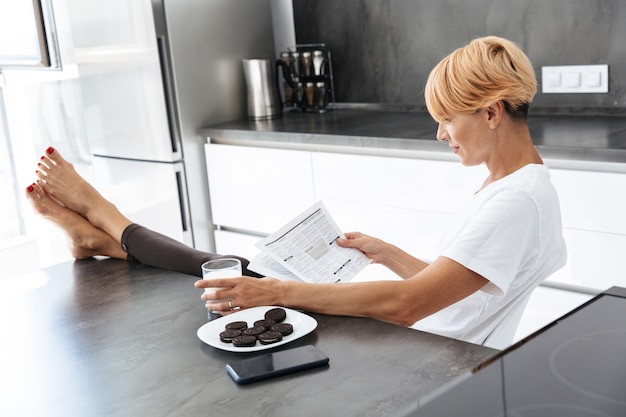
(439, 285)
(394, 258)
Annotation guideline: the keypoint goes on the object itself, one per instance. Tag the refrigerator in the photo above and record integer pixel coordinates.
(152, 73)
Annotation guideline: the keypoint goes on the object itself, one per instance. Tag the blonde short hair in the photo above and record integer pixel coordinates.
(487, 70)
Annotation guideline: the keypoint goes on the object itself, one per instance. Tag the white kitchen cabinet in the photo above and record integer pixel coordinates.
(428, 185)
(592, 200)
(408, 201)
(257, 189)
(593, 207)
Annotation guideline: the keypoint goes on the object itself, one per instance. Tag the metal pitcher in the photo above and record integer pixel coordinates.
(264, 101)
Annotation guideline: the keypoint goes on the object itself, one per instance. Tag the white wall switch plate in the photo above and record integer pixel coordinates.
(575, 79)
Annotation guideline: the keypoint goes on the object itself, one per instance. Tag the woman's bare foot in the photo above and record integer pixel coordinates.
(84, 239)
(61, 182)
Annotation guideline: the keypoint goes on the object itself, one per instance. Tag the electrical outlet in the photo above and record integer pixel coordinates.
(575, 79)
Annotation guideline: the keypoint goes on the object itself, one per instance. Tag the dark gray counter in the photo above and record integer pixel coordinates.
(577, 138)
(572, 367)
(106, 338)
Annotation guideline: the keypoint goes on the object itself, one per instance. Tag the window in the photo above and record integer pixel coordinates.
(40, 105)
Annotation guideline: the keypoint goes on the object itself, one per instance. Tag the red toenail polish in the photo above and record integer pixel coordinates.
(42, 158)
(37, 172)
(38, 164)
(30, 188)
(50, 150)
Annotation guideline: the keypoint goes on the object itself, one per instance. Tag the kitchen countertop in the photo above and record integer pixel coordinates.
(586, 139)
(108, 338)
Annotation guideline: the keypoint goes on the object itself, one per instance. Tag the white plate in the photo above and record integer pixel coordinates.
(210, 332)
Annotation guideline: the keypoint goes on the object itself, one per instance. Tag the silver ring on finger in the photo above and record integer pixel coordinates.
(230, 305)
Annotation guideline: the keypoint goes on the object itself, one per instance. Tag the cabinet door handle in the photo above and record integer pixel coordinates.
(182, 193)
(169, 93)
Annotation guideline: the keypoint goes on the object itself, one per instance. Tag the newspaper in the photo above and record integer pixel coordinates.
(305, 249)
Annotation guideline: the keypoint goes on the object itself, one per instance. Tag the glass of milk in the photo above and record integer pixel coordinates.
(220, 268)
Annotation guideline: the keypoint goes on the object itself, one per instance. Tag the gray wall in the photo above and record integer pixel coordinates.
(383, 50)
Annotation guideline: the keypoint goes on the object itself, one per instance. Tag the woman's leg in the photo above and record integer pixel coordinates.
(59, 179)
(84, 239)
(86, 216)
(154, 249)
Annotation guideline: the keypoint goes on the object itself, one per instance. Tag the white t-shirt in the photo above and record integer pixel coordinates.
(510, 233)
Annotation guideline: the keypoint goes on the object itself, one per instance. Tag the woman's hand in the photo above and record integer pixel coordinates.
(370, 246)
(240, 293)
(381, 252)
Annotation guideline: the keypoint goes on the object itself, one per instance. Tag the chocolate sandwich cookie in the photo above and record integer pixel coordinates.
(283, 328)
(244, 341)
(227, 336)
(254, 331)
(277, 314)
(236, 325)
(265, 323)
(270, 337)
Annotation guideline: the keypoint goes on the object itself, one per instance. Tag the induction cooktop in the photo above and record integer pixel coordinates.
(574, 367)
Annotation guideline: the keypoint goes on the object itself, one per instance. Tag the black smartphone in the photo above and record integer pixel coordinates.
(274, 364)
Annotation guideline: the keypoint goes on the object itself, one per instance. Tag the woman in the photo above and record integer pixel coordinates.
(497, 249)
